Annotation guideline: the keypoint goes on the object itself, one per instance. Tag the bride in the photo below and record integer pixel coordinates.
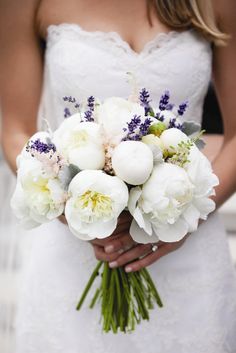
(90, 46)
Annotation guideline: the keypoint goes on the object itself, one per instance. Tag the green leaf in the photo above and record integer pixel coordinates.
(191, 127)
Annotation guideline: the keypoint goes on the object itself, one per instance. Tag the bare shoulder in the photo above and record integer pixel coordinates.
(58, 11)
(17, 14)
(225, 11)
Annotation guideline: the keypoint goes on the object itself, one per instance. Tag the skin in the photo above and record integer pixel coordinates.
(21, 84)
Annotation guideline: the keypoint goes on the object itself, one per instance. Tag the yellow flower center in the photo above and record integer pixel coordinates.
(37, 185)
(94, 204)
(79, 138)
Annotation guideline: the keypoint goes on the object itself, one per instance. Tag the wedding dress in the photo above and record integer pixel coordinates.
(197, 282)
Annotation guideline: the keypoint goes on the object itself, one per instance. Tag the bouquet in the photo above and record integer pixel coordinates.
(111, 156)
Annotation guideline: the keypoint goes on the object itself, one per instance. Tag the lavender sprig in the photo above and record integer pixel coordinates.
(164, 101)
(145, 101)
(91, 101)
(159, 117)
(67, 113)
(173, 123)
(88, 115)
(40, 146)
(73, 101)
(136, 129)
(144, 127)
(182, 108)
(133, 124)
(69, 99)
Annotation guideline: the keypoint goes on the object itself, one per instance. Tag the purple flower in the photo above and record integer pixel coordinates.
(41, 147)
(144, 127)
(69, 99)
(88, 116)
(90, 103)
(144, 100)
(134, 124)
(136, 130)
(175, 124)
(132, 127)
(164, 101)
(67, 112)
(182, 107)
(159, 117)
(73, 101)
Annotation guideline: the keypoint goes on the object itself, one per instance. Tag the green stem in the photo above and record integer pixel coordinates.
(89, 284)
(95, 297)
(144, 272)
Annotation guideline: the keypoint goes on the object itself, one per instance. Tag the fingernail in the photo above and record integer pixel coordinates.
(113, 264)
(128, 269)
(109, 248)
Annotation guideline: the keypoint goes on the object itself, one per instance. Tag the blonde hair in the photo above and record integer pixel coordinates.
(184, 14)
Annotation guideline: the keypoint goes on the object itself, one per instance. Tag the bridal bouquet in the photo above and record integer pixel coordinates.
(110, 156)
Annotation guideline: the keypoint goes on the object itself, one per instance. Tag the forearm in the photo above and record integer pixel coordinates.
(224, 167)
(12, 145)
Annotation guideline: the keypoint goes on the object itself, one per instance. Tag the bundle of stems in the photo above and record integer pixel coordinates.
(125, 298)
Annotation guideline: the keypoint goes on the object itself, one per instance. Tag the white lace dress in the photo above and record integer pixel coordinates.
(197, 282)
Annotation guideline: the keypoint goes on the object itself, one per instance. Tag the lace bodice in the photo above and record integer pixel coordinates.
(82, 63)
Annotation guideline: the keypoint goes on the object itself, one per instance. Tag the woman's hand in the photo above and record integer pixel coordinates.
(121, 250)
(143, 255)
(109, 249)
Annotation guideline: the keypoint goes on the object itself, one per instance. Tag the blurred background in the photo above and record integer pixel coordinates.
(14, 246)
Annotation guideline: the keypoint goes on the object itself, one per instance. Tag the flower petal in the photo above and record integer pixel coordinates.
(134, 195)
(191, 216)
(140, 236)
(172, 232)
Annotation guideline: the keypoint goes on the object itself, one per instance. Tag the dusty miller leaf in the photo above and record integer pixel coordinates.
(200, 144)
(191, 127)
(66, 174)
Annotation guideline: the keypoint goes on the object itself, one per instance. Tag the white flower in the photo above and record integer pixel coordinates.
(171, 138)
(114, 114)
(96, 201)
(21, 209)
(155, 144)
(132, 161)
(159, 207)
(38, 198)
(81, 143)
(151, 139)
(201, 175)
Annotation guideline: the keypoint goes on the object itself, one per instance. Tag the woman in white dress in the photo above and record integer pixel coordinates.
(90, 45)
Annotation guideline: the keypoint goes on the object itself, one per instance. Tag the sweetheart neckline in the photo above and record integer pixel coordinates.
(156, 42)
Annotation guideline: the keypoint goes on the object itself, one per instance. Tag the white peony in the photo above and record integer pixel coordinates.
(151, 139)
(38, 198)
(201, 175)
(81, 143)
(114, 114)
(171, 138)
(132, 162)
(155, 144)
(96, 200)
(159, 207)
